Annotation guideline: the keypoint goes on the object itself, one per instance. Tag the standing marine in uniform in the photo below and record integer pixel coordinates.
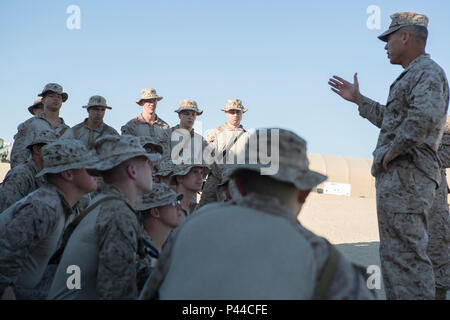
(439, 223)
(405, 165)
(32, 228)
(93, 127)
(104, 243)
(222, 248)
(21, 180)
(148, 123)
(225, 140)
(185, 145)
(52, 99)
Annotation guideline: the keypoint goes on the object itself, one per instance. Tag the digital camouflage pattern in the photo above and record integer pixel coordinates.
(148, 93)
(97, 101)
(30, 233)
(412, 122)
(107, 253)
(222, 139)
(439, 220)
(403, 19)
(412, 125)
(189, 105)
(19, 152)
(56, 88)
(185, 147)
(19, 182)
(89, 136)
(139, 127)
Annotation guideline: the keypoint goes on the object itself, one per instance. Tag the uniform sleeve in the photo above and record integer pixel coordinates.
(19, 152)
(371, 110)
(116, 274)
(14, 187)
(28, 226)
(425, 112)
(127, 129)
(444, 148)
(67, 134)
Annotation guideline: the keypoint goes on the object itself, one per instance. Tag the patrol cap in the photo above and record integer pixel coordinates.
(188, 105)
(403, 19)
(161, 195)
(112, 150)
(97, 101)
(63, 155)
(56, 88)
(293, 164)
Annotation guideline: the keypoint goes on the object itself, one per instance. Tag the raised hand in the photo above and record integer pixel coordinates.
(348, 91)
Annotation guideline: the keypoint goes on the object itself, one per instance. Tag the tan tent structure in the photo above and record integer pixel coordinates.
(345, 170)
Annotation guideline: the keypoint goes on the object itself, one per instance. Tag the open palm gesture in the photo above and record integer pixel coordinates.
(348, 91)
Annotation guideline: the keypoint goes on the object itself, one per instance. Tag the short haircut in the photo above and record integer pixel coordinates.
(265, 185)
(418, 32)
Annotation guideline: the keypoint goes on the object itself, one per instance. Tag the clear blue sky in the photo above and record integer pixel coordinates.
(276, 56)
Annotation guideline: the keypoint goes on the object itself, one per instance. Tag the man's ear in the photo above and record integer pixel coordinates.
(239, 182)
(406, 36)
(67, 175)
(302, 195)
(131, 170)
(154, 212)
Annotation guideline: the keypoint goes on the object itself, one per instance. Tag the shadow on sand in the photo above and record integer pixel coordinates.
(366, 254)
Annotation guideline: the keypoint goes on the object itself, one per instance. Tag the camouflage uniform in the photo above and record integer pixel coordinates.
(221, 139)
(30, 232)
(19, 182)
(108, 258)
(105, 243)
(88, 136)
(439, 220)
(139, 127)
(19, 152)
(411, 125)
(195, 142)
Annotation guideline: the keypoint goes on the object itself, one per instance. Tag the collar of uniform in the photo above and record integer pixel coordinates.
(111, 190)
(417, 60)
(178, 127)
(267, 204)
(229, 127)
(42, 116)
(98, 129)
(66, 207)
(141, 118)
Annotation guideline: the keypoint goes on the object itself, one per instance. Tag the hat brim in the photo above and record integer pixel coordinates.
(35, 106)
(384, 36)
(157, 99)
(301, 180)
(90, 163)
(113, 161)
(64, 95)
(197, 111)
(97, 105)
(243, 110)
(146, 206)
